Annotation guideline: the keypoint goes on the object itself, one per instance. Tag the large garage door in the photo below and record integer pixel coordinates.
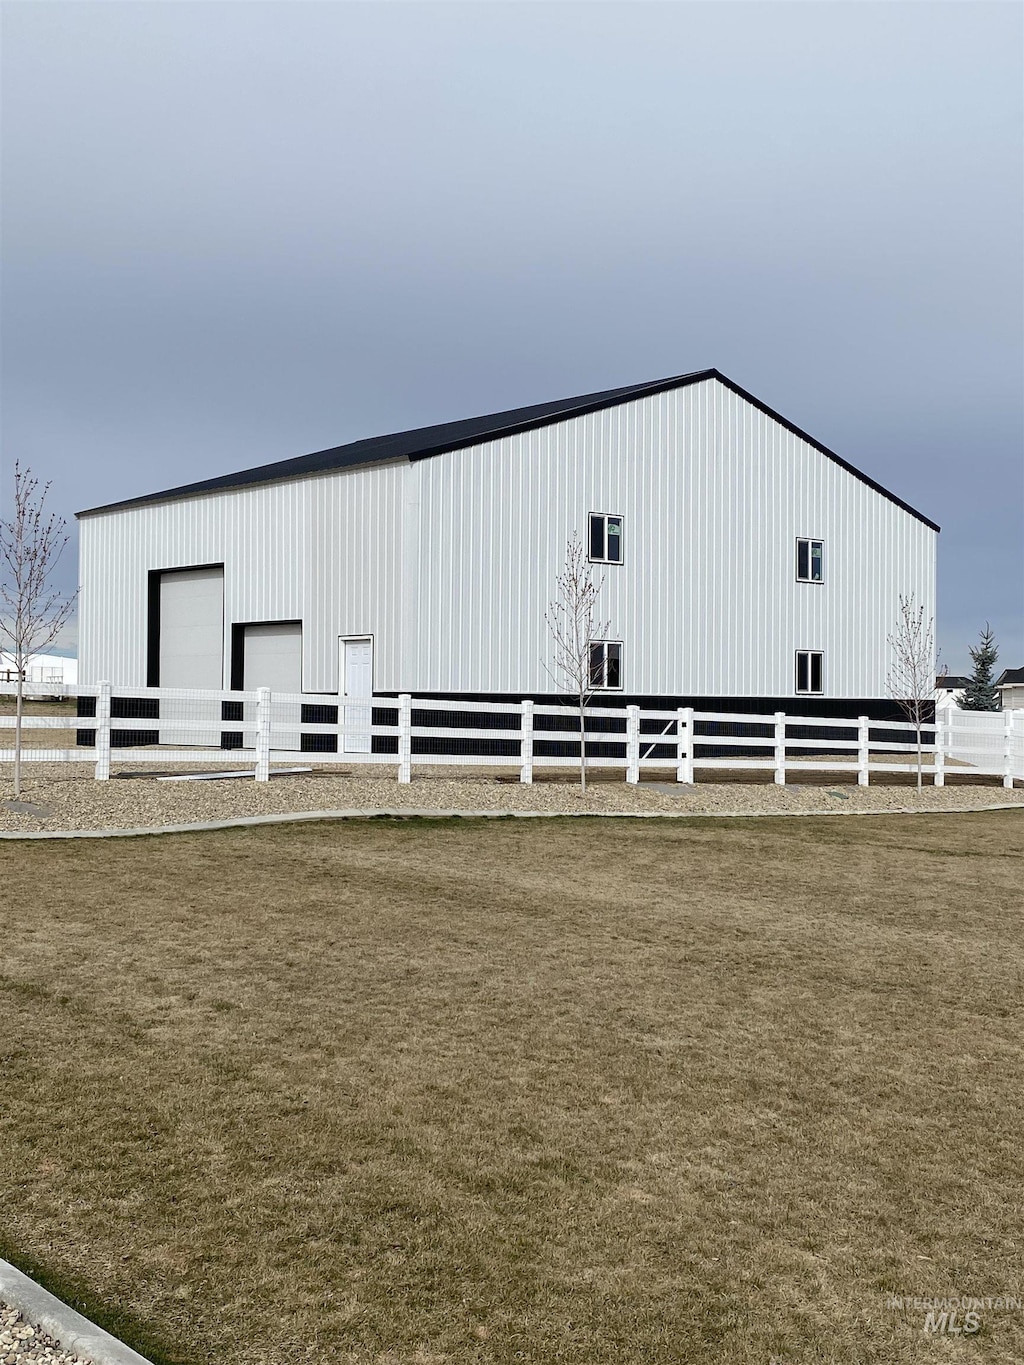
(272, 657)
(192, 628)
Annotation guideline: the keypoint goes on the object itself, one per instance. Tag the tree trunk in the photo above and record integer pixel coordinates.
(583, 746)
(17, 732)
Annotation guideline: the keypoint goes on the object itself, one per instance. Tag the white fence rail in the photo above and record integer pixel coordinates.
(990, 741)
(116, 725)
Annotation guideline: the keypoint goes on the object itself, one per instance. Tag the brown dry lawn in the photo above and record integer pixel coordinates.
(39, 739)
(588, 1092)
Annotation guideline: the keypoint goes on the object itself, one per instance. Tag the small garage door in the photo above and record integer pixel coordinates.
(192, 628)
(272, 656)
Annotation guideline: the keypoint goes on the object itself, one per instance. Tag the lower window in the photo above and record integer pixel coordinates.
(808, 670)
(606, 664)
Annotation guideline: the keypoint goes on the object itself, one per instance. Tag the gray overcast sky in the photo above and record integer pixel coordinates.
(234, 233)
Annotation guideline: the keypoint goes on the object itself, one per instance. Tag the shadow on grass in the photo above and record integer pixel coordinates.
(118, 1322)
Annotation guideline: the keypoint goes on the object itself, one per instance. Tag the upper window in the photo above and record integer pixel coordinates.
(810, 561)
(605, 538)
(808, 670)
(606, 664)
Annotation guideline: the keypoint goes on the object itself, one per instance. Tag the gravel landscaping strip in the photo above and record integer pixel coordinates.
(23, 1344)
(74, 801)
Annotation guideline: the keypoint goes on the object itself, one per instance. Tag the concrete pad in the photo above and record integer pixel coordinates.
(27, 808)
(410, 812)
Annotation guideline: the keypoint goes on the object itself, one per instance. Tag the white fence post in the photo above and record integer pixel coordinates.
(405, 737)
(780, 748)
(939, 753)
(1007, 748)
(526, 743)
(263, 703)
(863, 751)
(684, 744)
(633, 744)
(103, 733)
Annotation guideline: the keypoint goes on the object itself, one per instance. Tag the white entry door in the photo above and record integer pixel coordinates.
(356, 667)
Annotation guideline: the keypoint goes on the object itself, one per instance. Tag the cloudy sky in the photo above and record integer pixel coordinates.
(238, 232)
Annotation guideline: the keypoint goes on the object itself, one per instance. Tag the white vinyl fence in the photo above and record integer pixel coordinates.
(990, 741)
(173, 726)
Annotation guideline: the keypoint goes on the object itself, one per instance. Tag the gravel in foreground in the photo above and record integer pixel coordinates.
(71, 800)
(23, 1344)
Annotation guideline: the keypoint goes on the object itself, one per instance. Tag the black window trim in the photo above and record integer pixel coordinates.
(622, 535)
(808, 692)
(809, 541)
(603, 687)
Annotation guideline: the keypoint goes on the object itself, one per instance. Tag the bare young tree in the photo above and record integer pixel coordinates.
(32, 613)
(911, 679)
(574, 627)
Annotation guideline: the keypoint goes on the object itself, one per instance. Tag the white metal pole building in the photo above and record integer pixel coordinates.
(743, 562)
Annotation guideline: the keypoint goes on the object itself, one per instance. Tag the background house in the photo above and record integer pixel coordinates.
(948, 687)
(742, 561)
(59, 669)
(1010, 684)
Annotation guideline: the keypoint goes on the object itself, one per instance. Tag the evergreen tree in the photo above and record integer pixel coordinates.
(980, 693)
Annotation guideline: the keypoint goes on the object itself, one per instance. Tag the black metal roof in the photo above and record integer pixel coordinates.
(425, 442)
(950, 680)
(1009, 676)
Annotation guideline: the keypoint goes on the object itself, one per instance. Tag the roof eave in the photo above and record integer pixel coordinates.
(208, 486)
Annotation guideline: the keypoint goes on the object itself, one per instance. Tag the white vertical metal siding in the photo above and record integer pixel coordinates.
(325, 551)
(450, 562)
(714, 494)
